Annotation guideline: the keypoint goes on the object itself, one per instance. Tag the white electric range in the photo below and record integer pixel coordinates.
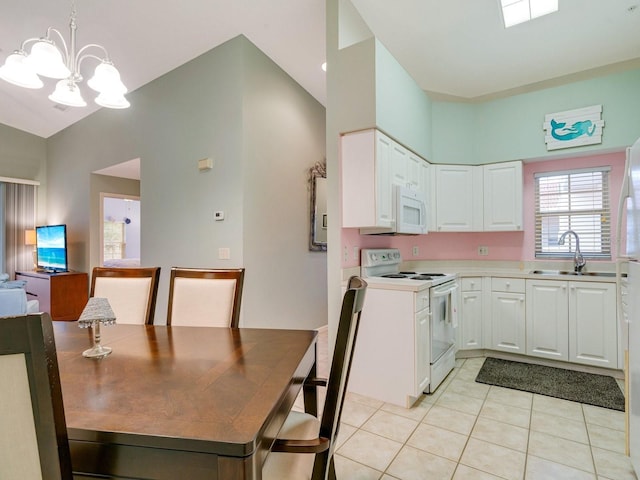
(406, 341)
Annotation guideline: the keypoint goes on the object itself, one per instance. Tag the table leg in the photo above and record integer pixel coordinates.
(310, 391)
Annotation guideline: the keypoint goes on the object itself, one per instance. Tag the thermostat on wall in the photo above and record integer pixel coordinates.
(219, 215)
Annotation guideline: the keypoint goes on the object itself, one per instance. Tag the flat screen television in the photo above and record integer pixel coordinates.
(51, 246)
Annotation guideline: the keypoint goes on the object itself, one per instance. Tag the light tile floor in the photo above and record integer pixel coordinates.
(467, 430)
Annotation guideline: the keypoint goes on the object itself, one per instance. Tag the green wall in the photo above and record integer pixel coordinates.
(511, 128)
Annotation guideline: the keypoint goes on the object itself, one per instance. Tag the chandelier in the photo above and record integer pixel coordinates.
(62, 62)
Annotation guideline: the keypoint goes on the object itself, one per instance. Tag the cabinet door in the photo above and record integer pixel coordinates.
(417, 173)
(423, 354)
(502, 194)
(399, 165)
(592, 324)
(471, 325)
(508, 321)
(384, 190)
(547, 326)
(456, 203)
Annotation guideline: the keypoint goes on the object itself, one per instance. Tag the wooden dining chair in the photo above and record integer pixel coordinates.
(305, 445)
(205, 297)
(33, 433)
(131, 292)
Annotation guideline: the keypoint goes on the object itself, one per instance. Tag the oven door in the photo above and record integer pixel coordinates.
(444, 318)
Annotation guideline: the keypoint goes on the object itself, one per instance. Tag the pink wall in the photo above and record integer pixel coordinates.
(512, 246)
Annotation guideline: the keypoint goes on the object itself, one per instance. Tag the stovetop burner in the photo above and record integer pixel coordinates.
(385, 264)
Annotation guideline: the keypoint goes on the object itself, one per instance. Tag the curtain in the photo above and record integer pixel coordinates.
(18, 205)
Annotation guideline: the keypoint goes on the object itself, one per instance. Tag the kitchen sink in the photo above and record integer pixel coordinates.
(569, 272)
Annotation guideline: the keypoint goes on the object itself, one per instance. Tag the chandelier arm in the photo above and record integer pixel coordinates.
(24, 44)
(64, 44)
(104, 50)
(80, 59)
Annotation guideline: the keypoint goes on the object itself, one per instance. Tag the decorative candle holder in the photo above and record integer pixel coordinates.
(96, 312)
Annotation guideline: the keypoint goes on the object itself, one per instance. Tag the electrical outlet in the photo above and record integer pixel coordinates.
(415, 251)
(346, 254)
(224, 253)
(482, 250)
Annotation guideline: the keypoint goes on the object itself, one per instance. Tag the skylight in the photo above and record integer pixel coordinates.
(519, 11)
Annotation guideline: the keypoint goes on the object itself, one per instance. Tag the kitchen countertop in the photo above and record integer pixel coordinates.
(500, 269)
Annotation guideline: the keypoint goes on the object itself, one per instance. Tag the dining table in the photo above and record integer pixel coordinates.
(179, 402)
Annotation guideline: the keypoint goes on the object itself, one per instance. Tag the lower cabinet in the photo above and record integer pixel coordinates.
(547, 319)
(572, 321)
(471, 308)
(508, 315)
(593, 327)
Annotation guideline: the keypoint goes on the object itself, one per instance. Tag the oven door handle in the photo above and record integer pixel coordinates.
(436, 292)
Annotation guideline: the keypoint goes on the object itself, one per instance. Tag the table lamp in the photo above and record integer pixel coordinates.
(96, 312)
(30, 240)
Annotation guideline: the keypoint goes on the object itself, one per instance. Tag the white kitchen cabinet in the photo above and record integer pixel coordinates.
(547, 326)
(573, 321)
(508, 315)
(593, 338)
(479, 198)
(366, 179)
(391, 360)
(423, 354)
(471, 319)
(371, 164)
(458, 198)
(418, 172)
(502, 195)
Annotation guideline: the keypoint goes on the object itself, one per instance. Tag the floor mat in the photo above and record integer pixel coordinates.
(589, 388)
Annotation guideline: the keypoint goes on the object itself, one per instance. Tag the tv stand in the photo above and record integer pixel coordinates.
(61, 294)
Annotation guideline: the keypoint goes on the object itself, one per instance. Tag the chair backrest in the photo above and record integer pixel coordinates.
(352, 304)
(131, 292)
(33, 436)
(205, 297)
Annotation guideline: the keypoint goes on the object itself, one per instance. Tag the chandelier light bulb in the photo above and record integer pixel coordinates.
(16, 71)
(68, 93)
(112, 100)
(46, 60)
(106, 78)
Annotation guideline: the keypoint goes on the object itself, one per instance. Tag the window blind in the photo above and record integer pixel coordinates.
(575, 200)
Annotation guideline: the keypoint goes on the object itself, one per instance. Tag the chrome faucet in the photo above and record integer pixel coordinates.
(578, 260)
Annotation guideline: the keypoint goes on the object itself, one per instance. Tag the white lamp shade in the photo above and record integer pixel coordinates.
(106, 79)
(46, 60)
(112, 100)
(16, 71)
(67, 93)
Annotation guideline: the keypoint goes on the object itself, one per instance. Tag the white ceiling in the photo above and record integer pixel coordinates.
(455, 48)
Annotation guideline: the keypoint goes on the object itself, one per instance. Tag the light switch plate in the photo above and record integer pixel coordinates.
(224, 253)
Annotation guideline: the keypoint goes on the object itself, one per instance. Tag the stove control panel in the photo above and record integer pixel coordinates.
(380, 256)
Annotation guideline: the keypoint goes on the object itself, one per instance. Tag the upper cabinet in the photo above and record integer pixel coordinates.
(502, 195)
(371, 164)
(478, 198)
(458, 205)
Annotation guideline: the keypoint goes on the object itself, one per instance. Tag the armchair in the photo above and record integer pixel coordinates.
(13, 301)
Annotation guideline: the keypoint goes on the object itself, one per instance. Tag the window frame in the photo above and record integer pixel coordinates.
(573, 215)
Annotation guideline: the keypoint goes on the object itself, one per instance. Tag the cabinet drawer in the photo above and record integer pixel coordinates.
(508, 285)
(422, 300)
(471, 283)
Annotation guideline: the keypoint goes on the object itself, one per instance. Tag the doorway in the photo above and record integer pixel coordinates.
(119, 230)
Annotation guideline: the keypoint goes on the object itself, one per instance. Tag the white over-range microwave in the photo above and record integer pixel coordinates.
(409, 213)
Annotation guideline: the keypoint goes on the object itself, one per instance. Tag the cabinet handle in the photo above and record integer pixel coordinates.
(521, 300)
(508, 285)
(473, 284)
